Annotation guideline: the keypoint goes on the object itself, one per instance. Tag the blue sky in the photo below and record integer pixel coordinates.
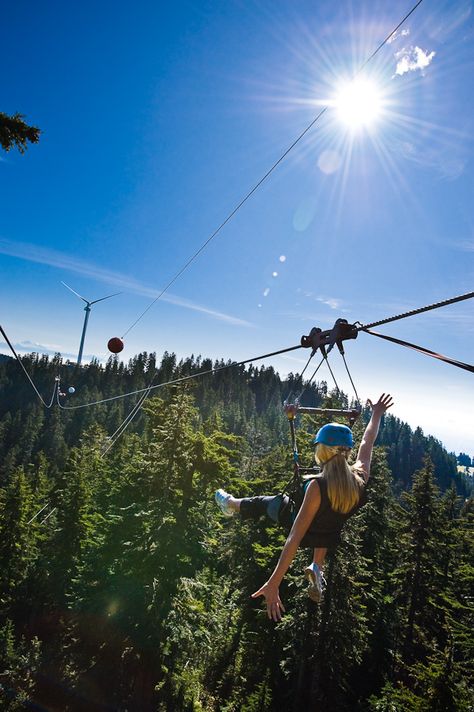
(157, 119)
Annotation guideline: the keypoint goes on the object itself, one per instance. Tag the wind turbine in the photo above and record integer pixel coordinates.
(87, 310)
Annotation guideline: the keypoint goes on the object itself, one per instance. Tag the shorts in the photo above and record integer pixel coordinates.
(281, 510)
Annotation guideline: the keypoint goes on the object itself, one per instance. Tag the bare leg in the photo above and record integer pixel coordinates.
(234, 503)
(319, 556)
(314, 574)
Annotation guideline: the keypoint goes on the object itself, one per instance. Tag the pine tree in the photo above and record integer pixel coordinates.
(19, 663)
(16, 542)
(15, 132)
(420, 565)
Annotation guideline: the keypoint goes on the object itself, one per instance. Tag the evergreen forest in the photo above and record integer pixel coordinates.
(122, 586)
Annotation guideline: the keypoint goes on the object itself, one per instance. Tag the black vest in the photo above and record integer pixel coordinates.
(325, 529)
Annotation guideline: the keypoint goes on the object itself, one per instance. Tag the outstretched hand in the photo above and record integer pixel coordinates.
(384, 403)
(272, 598)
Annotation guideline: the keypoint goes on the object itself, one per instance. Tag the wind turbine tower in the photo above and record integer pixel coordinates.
(87, 310)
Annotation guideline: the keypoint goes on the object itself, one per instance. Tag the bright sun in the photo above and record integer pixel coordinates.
(358, 103)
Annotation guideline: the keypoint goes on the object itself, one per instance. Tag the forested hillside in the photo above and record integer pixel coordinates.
(129, 591)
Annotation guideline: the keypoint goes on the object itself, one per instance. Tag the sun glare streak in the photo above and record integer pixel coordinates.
(345, 176)
(394, 175)
(413, 122)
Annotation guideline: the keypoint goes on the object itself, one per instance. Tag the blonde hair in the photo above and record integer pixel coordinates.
(344, 485)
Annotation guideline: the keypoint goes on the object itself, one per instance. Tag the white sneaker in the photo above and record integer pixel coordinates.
(222, 501)
(317, 582)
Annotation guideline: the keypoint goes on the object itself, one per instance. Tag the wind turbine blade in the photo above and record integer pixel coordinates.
(74, 292)
(102, 299)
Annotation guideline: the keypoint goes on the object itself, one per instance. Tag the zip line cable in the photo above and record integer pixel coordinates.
(422, 350)
(421, 310)
(134, 412)
(56, 382)
(257, 185)
(125, 423)
(384, 42)
(224, 222)
(37, 514)
(48, 515)
(182, 379)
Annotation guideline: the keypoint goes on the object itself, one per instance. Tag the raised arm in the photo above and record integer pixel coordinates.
(309, 509)
(364, 456)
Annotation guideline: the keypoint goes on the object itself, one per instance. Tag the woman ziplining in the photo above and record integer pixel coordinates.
(330, 499)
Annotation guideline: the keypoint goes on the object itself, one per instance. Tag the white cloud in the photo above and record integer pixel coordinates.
(323, 320)
(440, 24)
(285, 357)
(28, 347)
(330, 302)
(446, 160)
(412, 58)
(396, 35)
(465, 245)
(60, 260)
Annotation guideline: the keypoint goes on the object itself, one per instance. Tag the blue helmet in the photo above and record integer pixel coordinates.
(334, 434)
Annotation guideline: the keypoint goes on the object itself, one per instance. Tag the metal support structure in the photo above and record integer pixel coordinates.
(292, 410)
(87, 310)
(351, 414)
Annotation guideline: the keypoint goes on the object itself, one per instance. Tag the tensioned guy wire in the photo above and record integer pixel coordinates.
(264, 177)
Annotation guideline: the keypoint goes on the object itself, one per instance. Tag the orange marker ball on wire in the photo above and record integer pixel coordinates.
(115, 345)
